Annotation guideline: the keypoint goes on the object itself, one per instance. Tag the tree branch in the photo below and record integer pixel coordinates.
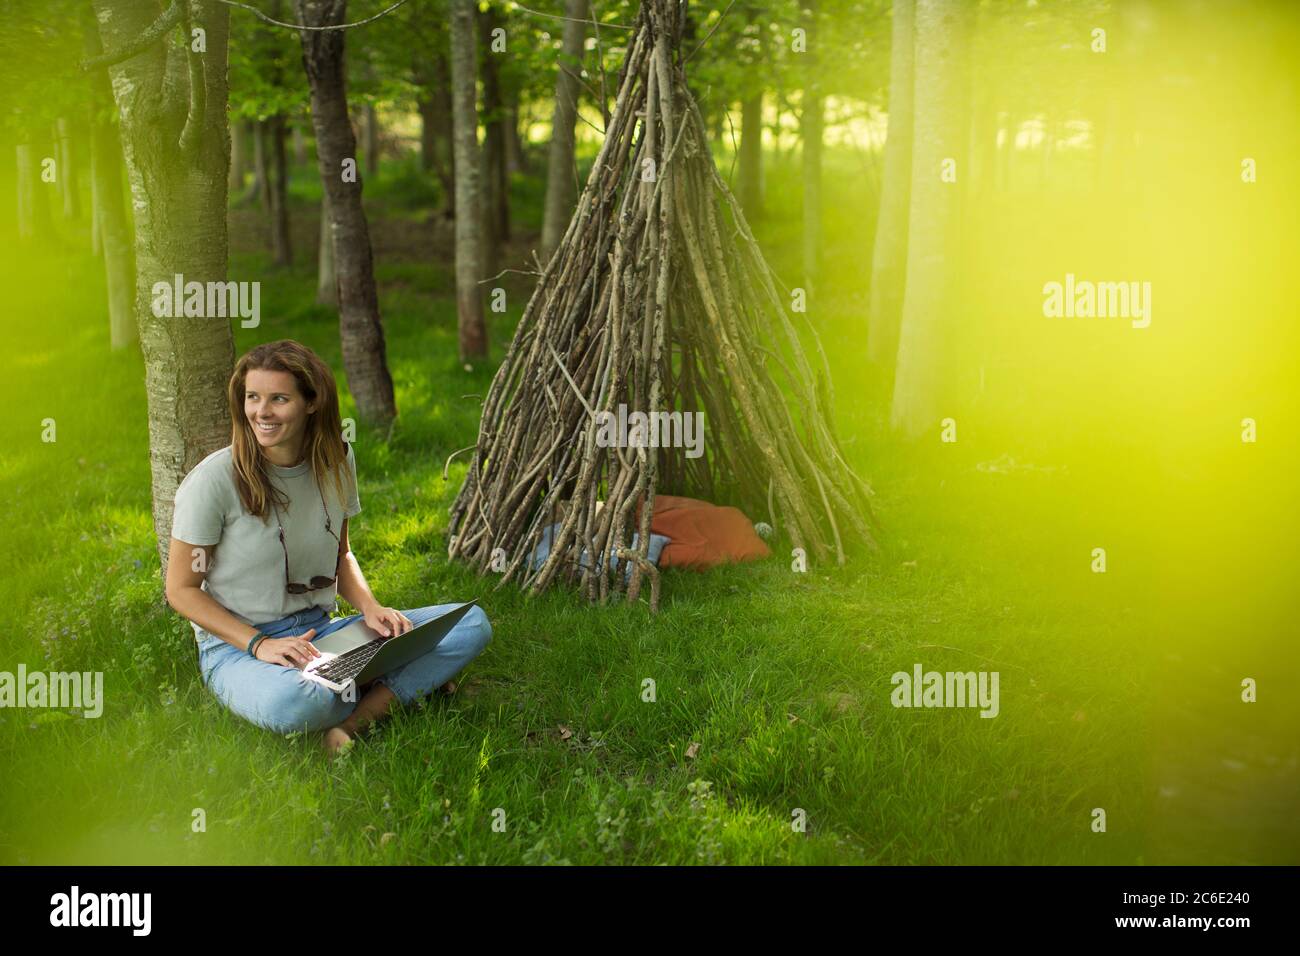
(157, 30)
(193, 130)
(585, 85)
(710, 33)
(600, 61)
(556, 16)
(298, 26)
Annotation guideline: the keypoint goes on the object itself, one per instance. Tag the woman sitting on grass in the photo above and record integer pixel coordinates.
(266, 513)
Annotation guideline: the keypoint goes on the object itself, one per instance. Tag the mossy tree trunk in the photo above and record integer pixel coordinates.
(171, 102)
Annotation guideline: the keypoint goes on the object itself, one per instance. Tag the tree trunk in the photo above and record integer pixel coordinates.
(750, 172)
(472, 331)
(434, 107)
(281, 250)
(516, 156)
(178, 171)
(67, 172)
(889, 261)
(499, 162)
(446, 134)
(327, 292)
(810, 128)
(749, 182)
(361, 332)
(108, 210)
(810, 131)
(299, 145)
(428, 133)
(940, 133)
(34, 223)
(253, 191)
(496, 208)
(238, 160)
(370, 129)
(561, 176)
(114, 233)
(261, 187)
(777, 129)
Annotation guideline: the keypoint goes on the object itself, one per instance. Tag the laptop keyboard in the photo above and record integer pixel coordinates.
(347, 666)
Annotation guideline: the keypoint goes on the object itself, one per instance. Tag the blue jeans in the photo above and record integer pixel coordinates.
(279, 698)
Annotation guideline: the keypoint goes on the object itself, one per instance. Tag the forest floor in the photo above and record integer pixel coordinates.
(772, 738)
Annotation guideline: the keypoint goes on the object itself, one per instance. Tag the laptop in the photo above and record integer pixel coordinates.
(357, 653)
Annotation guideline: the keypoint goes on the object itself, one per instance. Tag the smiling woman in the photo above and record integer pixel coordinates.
(270, 503)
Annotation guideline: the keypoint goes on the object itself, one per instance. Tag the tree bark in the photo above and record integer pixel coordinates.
(108, 210)
(261, 188)
(434, 107)
(516, 156)
(238, 159)
(281, 248)
(178, 169)
(941, 114)
(361, 332)
(750, 162)
(445, 126)
(327, 292)
(34, 223)
(811, 130)
(428, 133)
(370, 129)
(889, 260)
(471, 328)
(114, 233)
(68, 190)
(299, 145)
(496, 208)
(561, 176)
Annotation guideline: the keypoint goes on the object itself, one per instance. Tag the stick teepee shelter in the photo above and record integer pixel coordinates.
(657, 299)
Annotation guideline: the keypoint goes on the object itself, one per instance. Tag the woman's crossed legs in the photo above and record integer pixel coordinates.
(280, 699)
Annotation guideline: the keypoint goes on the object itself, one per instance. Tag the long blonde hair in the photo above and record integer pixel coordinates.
(322, 438)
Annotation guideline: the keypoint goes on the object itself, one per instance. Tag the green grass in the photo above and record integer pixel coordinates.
(781, 679)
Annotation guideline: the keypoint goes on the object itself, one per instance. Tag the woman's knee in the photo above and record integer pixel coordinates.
(301, 705)
(477, 624)
(473, 630)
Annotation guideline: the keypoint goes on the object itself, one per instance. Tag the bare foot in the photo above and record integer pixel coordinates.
(337, 741)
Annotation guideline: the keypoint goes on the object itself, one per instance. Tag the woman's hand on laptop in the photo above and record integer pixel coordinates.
(288, 651)
(387, 621)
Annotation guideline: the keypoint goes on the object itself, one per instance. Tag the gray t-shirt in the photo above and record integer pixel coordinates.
(246, 571)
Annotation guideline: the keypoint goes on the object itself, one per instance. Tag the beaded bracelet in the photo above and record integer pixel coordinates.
(252, 645)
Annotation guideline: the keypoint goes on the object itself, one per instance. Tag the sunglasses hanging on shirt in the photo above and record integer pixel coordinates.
(320, 582)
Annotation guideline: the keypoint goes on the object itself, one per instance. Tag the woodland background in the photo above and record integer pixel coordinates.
(831, 121)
